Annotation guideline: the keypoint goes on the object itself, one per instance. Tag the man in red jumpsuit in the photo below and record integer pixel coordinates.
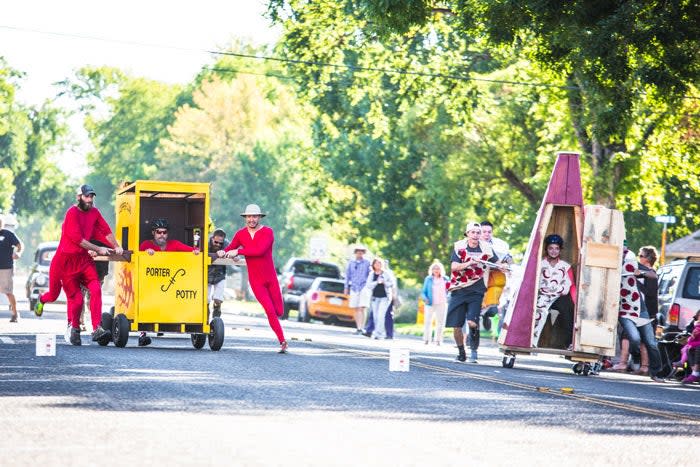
(73, 266)
(160, 242)
(254, 241)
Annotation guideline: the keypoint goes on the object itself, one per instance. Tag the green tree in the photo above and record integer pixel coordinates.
(125, 118)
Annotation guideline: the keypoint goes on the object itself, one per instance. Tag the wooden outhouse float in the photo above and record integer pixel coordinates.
(593, 239)
(167, 291)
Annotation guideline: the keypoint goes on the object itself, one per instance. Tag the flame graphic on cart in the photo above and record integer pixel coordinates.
(125, 286)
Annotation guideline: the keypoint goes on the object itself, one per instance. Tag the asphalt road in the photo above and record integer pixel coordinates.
(330, 401)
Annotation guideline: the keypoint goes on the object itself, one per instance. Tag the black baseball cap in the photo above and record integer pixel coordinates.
(86, 190)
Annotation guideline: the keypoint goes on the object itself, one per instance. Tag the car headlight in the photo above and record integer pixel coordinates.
(42, 280)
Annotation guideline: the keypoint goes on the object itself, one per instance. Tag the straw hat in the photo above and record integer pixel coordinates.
(253, 210)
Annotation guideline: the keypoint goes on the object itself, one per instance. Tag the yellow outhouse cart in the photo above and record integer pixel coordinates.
(166, 291)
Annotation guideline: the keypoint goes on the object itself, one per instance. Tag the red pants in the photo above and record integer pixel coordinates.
(270, 297)
(71, 271)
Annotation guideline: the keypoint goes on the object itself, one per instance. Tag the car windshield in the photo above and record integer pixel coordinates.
(692, 284)
(316, 269)
(46, 256)
(335, 287)
(668, 279)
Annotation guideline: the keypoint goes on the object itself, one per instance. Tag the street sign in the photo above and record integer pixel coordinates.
(665, 219)
(318, 247)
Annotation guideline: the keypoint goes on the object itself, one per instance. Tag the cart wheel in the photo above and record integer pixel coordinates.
(508, 361)
(198, 340)
(111, 311)
(120, 330)
(216, 334)
(106, 323)
(578, 368)
(586, 369)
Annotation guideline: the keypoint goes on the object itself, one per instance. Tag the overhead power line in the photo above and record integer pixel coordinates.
(302, 62)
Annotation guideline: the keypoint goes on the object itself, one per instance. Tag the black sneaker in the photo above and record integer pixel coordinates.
(144, 340)
(100, 333)
(75, 336)
(461, 358)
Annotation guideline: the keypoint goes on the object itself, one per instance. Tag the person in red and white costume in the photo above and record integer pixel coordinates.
(73, 266)
(556, 292)
(254, 241)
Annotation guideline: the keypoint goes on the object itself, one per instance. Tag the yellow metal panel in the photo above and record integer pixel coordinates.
(124, 289)
(171, 288)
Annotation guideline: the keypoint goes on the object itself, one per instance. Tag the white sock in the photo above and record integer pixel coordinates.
(696, 373)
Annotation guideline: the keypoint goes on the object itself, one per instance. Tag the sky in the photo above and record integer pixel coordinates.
(162, 40)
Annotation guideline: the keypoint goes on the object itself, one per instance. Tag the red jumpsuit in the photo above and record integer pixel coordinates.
(261, 272)
(170, 245)
(72, 266)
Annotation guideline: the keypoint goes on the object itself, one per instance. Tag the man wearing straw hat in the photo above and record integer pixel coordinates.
(355, 280)
(254, 241)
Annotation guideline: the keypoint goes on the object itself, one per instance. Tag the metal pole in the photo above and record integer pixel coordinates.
(663, 246)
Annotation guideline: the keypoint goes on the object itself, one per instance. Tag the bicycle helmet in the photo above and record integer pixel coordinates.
(554, 239)
(159, 224)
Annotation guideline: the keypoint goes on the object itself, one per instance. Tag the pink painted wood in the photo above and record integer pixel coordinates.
(564, 189)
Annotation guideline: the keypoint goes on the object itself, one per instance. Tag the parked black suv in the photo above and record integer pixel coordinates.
(296, 278)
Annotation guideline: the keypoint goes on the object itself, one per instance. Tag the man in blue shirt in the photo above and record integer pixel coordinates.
(355, 280)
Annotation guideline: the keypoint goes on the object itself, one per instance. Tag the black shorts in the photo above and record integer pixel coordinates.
(463, 307)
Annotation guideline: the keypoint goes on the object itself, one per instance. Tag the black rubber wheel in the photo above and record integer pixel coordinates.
(578, 368)
(301, 312)
(508, 361)
(216, 334)
(586, 369)
(198, 340)
(120, 330)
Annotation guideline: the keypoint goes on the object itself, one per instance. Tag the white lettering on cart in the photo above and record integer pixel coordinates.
(158, 272)
(186, 294)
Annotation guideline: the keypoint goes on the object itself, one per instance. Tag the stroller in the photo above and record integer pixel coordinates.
(670, 346)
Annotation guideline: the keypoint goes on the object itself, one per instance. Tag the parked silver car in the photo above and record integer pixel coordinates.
(679, 293)
(38, 278)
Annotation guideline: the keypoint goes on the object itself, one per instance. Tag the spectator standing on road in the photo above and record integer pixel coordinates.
(255, 241)
(10, 250)
(497, 279)
(160, 243)
(556, 291)
(395, 303)
(72, 265)
(216, 274)
(382, 287)
(634, 319)
(355, 280)
(648, 283)
(434, 296)
(467, 287)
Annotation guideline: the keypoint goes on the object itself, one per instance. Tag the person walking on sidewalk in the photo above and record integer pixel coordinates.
(73, 266)
(355, 280)
(10, 250)
(434, 296)
(255, 241)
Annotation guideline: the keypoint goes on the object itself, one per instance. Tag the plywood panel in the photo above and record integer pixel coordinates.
(599, 286)
(602, 255)
(597, 334)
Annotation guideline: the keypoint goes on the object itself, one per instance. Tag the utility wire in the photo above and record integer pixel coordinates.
(301, 62)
